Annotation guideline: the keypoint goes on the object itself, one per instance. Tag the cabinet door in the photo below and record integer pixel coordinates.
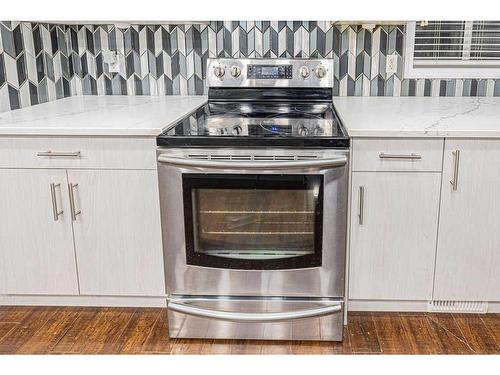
(117, 233)
(36, 251)
(468, 253)
(393, 244)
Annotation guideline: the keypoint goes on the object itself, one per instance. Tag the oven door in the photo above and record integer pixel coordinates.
(253, 221)
(254, 228)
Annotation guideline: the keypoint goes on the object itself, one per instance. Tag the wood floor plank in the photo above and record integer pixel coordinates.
(391, 334)
(4, 310)
(276, 347)
(422, 338)
(316, 347)
(158, 341)
(23, 331)
(139, 328)
(11, 317)
(107, 329)
(47, 337)
(346, 342)
(187, 346)
(362, 334)
(216, 347)
(15, 314)
(492, 322)
(477, 335)
(6, 327)
(246, 347)
(76, 337)
(448, 334)
(323, 347)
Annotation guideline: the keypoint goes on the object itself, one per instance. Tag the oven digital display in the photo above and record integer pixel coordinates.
(269, 72)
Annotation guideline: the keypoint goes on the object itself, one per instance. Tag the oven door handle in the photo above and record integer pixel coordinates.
(257, 165)
(252, 317)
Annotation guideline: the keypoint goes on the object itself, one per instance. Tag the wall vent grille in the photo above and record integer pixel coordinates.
(458, 306)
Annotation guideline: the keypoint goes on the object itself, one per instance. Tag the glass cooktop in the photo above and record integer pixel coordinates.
(284, 124)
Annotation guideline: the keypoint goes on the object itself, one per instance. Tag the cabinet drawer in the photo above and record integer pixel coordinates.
(397, 155)
(78, 152)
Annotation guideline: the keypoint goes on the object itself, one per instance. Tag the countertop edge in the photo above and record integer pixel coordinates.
(423, 134)
(83, 132)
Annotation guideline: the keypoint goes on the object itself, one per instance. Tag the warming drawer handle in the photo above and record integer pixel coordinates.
(211, 164)
(252, 317)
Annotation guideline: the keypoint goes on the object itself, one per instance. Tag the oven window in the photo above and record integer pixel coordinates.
(253, 221)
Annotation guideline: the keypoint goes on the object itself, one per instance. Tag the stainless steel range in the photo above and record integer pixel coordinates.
(253, 194)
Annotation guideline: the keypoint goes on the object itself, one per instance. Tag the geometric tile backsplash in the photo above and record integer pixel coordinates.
(40, 62)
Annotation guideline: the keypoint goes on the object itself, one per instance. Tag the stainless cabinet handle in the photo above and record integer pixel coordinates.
(456, 164)
(75, 154)
(74, 213)
(55, 210)
(252, 317)
(361, 212)
(411, 156)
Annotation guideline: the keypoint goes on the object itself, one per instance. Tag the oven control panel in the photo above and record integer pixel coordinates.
(228, 72)
(269, 71)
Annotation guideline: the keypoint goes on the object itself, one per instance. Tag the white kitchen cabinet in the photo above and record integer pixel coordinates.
(394, 218)
(117, 234)
(112, 249)
(468, 252)
(36, 250)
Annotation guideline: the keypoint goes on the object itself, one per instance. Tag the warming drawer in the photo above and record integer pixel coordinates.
(255, 318)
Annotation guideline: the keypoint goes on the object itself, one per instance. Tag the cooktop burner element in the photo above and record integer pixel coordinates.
(242, 112)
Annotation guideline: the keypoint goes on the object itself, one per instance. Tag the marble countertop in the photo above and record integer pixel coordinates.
(100, 115)
(362, 116)
(466, 117)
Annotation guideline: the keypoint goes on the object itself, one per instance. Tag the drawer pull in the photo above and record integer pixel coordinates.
(411, 156)
(74, 154)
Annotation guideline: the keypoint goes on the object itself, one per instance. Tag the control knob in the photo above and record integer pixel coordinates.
(304, 71)
(318, 130)
(219, 71)
(320, 71)
(302, 130)
(235, 71)
(237, 130)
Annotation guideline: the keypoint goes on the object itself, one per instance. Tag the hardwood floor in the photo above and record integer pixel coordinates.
(75, 330)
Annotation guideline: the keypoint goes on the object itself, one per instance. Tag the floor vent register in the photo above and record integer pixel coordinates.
(458, 306)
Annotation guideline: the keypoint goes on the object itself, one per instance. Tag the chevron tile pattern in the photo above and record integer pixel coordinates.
(41, 62)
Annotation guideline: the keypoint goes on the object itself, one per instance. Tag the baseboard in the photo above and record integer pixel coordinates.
(493, 307)
(119, 301)
(97, 301)
(403, 306)
(383, 305)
